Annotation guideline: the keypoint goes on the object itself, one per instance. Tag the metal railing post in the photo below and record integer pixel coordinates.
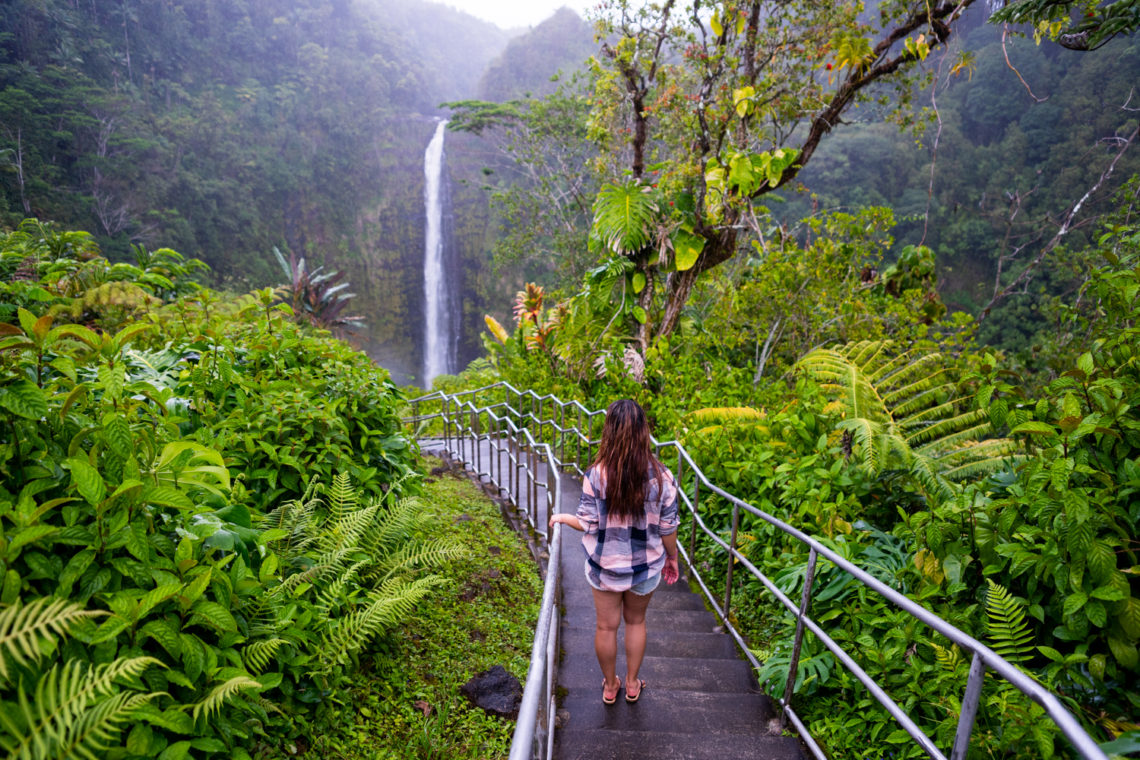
(731, 562)
(794, 665)
(969, 711)
(696, 511)
(446, 407)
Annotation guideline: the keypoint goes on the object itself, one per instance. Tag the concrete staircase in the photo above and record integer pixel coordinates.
(700, 701)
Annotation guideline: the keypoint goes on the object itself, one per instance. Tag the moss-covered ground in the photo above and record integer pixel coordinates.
(407, 702)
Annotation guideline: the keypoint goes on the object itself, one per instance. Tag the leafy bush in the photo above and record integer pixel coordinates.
(137, 483)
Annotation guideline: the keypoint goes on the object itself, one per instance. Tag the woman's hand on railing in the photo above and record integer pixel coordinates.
(670, 573)
(566, 519)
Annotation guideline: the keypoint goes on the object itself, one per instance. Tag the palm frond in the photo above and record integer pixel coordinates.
(23, 628)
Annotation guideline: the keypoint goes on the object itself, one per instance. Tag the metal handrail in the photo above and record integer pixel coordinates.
(983, 657)
(534, 728)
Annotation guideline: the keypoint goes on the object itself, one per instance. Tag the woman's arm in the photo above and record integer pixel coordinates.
(671, 571)
(573, 522)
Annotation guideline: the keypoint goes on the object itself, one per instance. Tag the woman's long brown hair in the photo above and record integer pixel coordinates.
(623, 455)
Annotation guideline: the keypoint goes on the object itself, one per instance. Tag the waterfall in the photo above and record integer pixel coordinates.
(440, 319)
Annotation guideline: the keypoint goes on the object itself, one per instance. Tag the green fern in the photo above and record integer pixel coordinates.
(24, 628)
(221, 694)
(947, 659)
(1007, 632)
(719, 414)
(902, 411)
(341, 496)
(419, 556)
(393, 601)
(73, 710)
(258, 654)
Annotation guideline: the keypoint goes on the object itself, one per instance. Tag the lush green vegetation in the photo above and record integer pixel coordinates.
(815, 370)
(408, 704)
(207, 510)
(1005, 503)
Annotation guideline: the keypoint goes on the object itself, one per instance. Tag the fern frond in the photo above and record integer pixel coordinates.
(341, 496)
(948, 433)
(346, 531)
(947, 659)
(717, 414)
(333, 562)
(22, 627)
(917, 392)
(394, 526)
(900, 411)
(924, 405)
(94, 732)
(1007, 632)
(420, 555)
(258, 654)
(389, 604)
(221, 694)
(984, 467)
(62, 697)
(330, 595)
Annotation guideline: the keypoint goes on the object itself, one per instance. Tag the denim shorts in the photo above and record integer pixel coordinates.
(645, 588)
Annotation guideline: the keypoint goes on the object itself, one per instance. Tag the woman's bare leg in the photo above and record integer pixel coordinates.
(633, 610)
(607, 605)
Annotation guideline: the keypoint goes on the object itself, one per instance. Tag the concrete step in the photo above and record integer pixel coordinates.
(627, 745)
(699, 621)
(672, 674)
(662, 710)
(579, 643)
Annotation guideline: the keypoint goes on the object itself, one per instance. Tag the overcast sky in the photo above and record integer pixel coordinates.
(512, 13)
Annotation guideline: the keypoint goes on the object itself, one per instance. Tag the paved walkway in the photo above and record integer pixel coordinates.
(701, 699)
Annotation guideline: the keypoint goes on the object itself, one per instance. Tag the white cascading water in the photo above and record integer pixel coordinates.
(437, 300)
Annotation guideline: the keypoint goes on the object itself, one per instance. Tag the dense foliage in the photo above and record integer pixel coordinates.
(204, 519)
(406, 704)
(1005, 503)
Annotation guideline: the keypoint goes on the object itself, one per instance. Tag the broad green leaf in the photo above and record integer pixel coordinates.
(162, 496)
(72, 397)
(1074, 602)
(638, 282)
(78, 332)
(1033, 427)
(87, 480)
(687, 249)
(27, 536)
(24, 399)
(27, 321)
(639, 314)
(118, 434)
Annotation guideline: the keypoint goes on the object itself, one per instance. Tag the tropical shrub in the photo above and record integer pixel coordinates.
(189, 618)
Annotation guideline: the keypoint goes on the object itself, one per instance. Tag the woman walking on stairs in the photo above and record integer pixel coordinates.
(628, 518)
